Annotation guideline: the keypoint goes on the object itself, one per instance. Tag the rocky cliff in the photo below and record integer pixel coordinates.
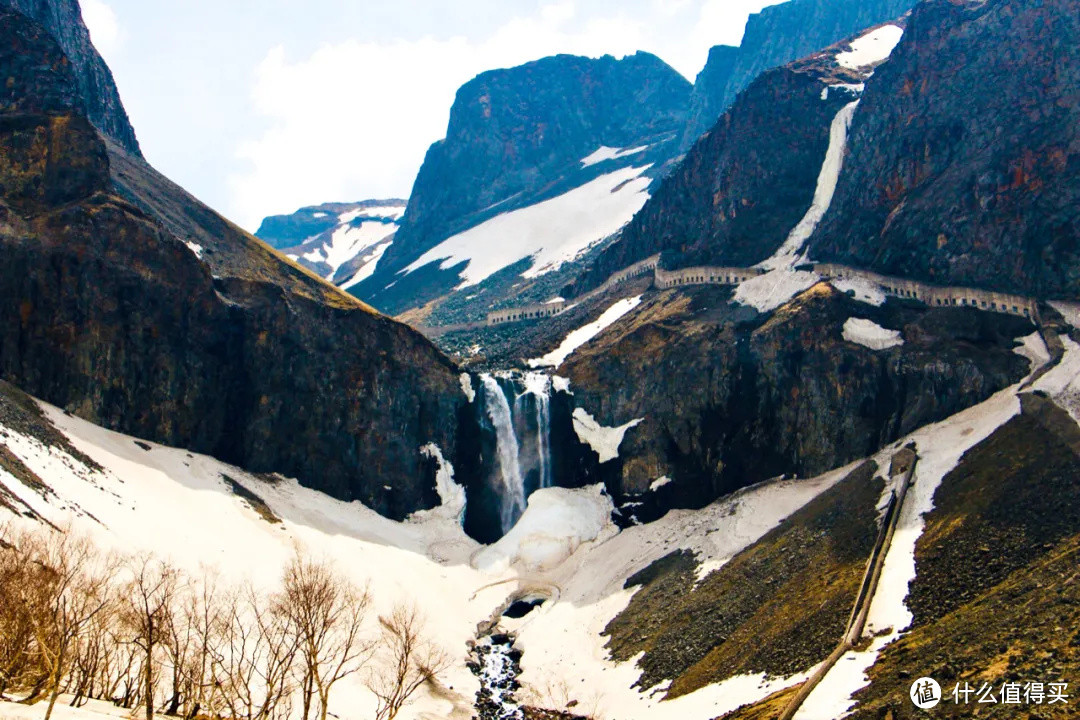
(964, 156)
(97, 95)
(776, 36)
(517, 137)
(708, 94)
(138, 308)
(742, 187)
(728, 397)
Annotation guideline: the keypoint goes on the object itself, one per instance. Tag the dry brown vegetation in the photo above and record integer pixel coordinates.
(140, 633)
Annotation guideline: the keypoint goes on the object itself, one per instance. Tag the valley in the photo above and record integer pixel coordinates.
(756, 397)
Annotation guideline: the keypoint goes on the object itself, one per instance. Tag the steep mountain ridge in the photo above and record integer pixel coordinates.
(521, 136)
(778, 35)
(141, 309)
(97, 94)
(739, 191)
(964, 156)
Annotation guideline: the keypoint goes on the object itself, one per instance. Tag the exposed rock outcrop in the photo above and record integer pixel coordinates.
(964, 156)
(97, 95)
(138, 308)
(729, 398)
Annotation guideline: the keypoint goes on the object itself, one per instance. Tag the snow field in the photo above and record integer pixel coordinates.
(552, 232)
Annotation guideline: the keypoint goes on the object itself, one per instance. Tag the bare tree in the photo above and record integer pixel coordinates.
(205, 615)
(69, 586)
(407, 660)
(253, 666)
(148, 605)
(16, 621)
(326, 612)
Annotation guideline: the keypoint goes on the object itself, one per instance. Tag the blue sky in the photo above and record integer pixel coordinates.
(259, 107)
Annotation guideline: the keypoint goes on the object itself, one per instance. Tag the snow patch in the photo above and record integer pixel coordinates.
(1033, 347)
(466, 386)
(869, 334)
(863, 290)
(555, 523)
(195, 248)
(659, 483)
(369, 263)
(1069, 311)
(790, 253)
(552, 232)
(451, 494)
(604, 440)
(771, 290)
(872, 48)
(604, 153)
(561, 384)
(584, 334)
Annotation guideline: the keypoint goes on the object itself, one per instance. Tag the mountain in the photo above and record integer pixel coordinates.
(708, 99)
(964, 158)
(741, 188)
(578, 133)
(139, 308)
(97, 95)
(776, 36)
(341, 242)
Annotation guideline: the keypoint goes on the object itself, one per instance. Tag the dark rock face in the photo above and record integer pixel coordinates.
(517, 137)
(964, 156)
(743, 186)
(729, 398)
(776, 36)
(235, 353)
(97, 95)
(708, 92)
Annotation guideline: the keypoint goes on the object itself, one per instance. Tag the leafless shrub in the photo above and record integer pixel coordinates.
(406, 659)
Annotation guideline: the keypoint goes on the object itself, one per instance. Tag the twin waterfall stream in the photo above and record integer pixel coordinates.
(519, 409)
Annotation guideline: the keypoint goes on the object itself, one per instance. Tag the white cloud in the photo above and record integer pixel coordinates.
(103, 25)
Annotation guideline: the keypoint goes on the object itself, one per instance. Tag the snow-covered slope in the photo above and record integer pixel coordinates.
(184, 507)
(549, 233)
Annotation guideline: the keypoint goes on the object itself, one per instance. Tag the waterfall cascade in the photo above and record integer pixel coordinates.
(518, 405)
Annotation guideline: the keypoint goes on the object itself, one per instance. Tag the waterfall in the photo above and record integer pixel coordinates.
(539, 386)
(502, 419)
(518, 406)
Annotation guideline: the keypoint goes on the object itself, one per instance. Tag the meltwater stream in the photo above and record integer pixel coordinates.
(518, 405)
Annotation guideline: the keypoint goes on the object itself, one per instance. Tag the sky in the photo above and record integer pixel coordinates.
(260, 107)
